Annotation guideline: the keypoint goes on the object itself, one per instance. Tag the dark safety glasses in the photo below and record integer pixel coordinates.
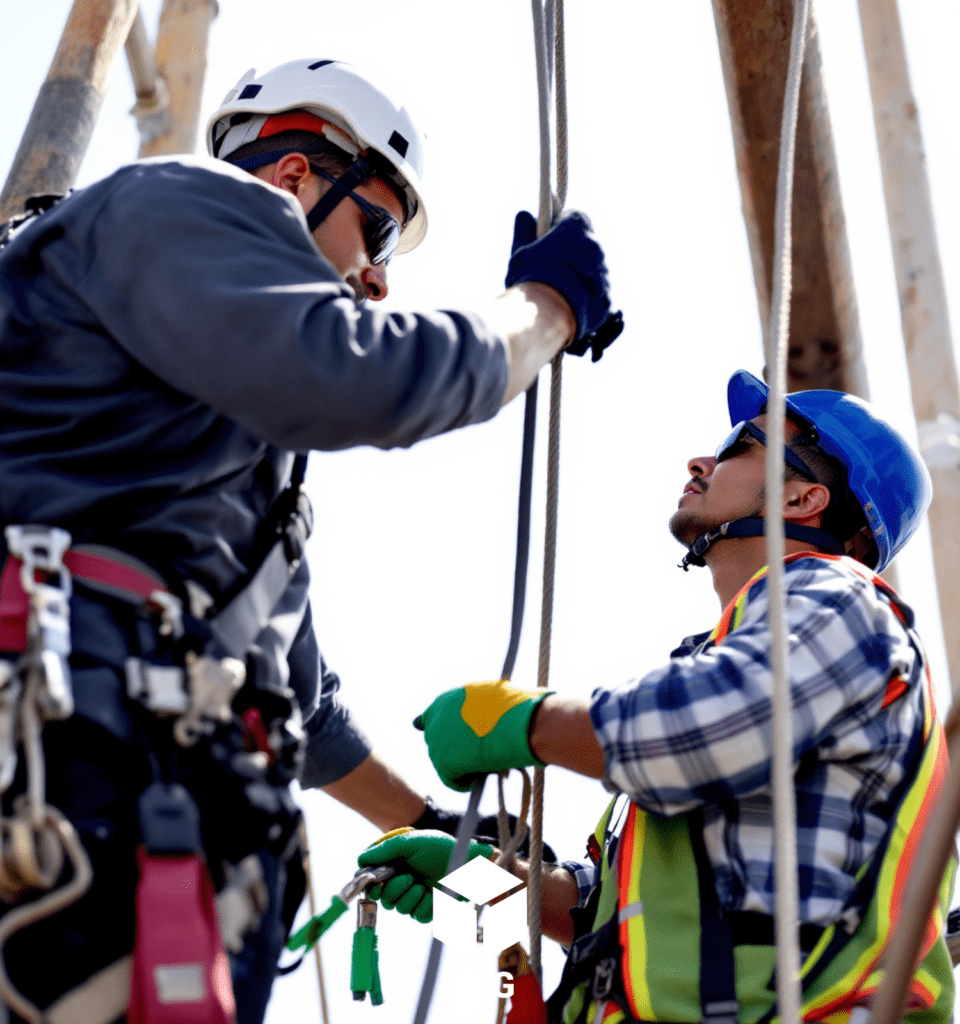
(381, 232)
(726, 449)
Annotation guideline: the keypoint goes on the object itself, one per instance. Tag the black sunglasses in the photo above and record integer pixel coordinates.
(381, 231)
(746, 427)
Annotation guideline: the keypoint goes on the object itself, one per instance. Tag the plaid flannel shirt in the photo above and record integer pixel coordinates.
(697, 733)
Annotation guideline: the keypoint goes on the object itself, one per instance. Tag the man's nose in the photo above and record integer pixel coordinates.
(374, 281)
(702, 466)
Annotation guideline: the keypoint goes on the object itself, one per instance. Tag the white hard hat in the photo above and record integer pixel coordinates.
(356, 114)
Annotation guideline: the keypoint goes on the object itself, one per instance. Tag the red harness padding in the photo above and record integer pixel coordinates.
(526, 1003)
(103, 569)
(180, 970)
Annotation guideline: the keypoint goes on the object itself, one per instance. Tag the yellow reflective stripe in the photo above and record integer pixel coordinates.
(601, 837)
(609, 1013)
(926, 986)
(733, 614)
(890, 883)
(633, 931)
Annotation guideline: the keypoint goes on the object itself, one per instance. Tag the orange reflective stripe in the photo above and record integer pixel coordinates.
(852, 975)
(632, 928)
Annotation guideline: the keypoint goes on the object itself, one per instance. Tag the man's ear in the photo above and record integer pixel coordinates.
(290, 172)
(803, 500)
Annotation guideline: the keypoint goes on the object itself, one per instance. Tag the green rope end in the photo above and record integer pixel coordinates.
(310, 933)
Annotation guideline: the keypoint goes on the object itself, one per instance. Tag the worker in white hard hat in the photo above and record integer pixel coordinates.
(175, 338)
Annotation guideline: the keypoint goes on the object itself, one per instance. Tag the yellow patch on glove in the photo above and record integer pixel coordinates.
(485, 704)
(390, 835)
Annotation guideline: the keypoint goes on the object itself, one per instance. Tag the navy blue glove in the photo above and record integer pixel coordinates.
(569, 259)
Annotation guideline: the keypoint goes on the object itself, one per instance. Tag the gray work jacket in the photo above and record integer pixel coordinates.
(169, 337)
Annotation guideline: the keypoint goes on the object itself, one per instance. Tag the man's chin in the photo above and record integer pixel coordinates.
(686, 527)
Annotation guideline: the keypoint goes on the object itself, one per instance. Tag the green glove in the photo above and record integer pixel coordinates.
(421, 859)
(479, 728)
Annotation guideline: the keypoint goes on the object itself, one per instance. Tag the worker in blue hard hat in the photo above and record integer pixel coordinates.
(174, 340)
(672, 919)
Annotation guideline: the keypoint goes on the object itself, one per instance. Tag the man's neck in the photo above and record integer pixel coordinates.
(737, 559)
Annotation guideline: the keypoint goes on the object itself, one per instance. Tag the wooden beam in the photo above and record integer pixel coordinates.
(66, 108)
(152, 104)
(923, 303)
(181, 58)
(825, 346)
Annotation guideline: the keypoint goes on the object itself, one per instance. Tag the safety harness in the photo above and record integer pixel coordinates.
(201, 703)
(646, 951)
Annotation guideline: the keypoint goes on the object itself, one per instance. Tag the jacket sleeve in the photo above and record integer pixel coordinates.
(210, 279)
(335, 743)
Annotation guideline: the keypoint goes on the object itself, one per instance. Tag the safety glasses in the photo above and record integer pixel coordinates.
(726, 449)
(381, 232)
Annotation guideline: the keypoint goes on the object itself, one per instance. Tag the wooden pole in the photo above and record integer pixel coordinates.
(825, 347)
(181, 60)
(153, 102)
(66, 108)
(923, 303)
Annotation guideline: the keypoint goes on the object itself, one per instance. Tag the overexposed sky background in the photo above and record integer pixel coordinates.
(413, 551)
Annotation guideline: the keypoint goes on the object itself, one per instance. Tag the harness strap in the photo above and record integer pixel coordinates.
(718, 991)
(102, 569)
(235, 626)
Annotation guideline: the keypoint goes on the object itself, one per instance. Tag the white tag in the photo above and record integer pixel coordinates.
(180, 983)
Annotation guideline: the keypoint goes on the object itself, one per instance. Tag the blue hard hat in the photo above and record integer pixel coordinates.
(886, 475)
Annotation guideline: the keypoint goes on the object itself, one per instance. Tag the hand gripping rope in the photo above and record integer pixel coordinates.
(549, 42)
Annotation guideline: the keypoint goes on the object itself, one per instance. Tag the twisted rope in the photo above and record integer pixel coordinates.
(784, 797)
(548, 40)
(548, 29)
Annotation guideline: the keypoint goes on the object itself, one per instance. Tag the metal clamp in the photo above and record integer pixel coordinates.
(212, 684)
(603, 977)
(161, 689)
(41, 549)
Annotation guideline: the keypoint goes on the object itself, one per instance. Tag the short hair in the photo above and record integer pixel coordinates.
(316, 148)
(844, 515)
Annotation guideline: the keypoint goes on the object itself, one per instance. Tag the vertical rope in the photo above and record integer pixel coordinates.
(784, 795)
(308, 870)
(549, 38)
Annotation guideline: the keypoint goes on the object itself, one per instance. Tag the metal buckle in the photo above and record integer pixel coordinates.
(161, 689)
(603, 977)
(213, 683)
(41, 548)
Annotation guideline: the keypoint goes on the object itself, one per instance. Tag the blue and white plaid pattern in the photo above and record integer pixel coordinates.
(696, 733)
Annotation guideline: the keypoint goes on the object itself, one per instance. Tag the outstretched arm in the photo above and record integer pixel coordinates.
(379, 793)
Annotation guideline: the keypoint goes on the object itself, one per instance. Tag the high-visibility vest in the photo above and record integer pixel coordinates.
(664, 959)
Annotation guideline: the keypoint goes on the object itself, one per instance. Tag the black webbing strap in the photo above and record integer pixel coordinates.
(718, 978)
(594, 958)
(753, 928)
(357, 173)
(236, 626)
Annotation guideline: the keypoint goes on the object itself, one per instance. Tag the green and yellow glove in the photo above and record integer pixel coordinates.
(421, 860)
(480, 728)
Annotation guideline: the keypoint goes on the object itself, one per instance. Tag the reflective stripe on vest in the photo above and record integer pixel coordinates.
(659, 919)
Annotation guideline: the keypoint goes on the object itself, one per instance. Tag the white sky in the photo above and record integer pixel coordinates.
(413, 551)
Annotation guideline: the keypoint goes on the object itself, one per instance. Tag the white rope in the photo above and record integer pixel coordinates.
(549, 43)
(308, 871)
(784, 797)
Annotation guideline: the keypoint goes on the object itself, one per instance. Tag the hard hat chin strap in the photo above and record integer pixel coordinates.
(357, 173)
(754, 526)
